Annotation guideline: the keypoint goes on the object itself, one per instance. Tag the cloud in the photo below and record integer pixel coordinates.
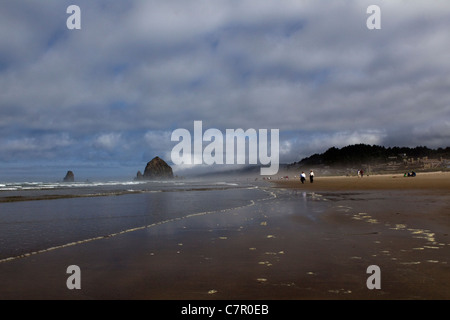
(158, 143)
(40, 146)
(137, 70)
(108, 141)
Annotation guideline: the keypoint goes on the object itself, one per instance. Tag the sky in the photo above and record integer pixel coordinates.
(105, 99)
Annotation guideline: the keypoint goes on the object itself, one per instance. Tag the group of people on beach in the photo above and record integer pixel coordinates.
(303, 177)
(360, 173)
(410, 174)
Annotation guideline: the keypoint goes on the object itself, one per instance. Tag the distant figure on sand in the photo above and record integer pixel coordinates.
(303, 177)
(311, 176)
(361, 172)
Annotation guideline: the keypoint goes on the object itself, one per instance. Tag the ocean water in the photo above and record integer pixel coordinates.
(39, 216)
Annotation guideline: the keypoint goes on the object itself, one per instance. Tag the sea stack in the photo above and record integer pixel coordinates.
(70, 177)
(156, 169)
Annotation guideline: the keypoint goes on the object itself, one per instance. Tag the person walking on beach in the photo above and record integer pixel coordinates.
(311, 177)
(303, 177)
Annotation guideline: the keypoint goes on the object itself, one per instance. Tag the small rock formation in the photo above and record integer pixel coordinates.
(157, 168)
(70, 177)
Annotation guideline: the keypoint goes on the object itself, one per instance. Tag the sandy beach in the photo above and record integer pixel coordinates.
(311, 241)
(423, 181)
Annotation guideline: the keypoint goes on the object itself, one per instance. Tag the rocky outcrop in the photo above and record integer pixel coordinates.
(70, 177)
(156, 169)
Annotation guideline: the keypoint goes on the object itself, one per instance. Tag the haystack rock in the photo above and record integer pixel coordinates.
(70, 177)
(156, 169)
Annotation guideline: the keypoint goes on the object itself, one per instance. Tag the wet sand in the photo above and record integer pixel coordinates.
(301, 244)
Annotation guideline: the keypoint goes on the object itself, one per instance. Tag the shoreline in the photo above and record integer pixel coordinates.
(293, 246)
